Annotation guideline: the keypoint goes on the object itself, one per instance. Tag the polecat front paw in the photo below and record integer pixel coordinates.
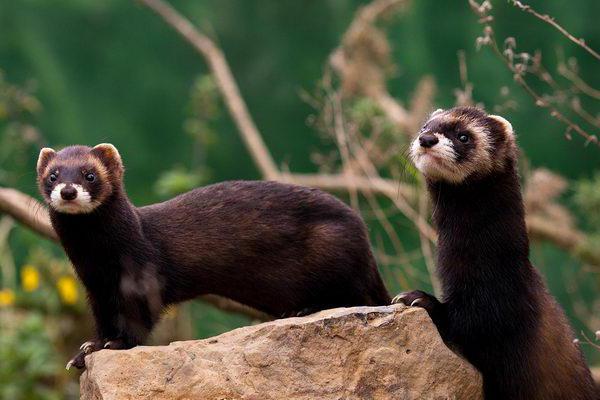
(86, 348)
(417, 298)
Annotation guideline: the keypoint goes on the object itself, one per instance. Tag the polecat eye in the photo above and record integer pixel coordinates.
(53, 177)
(90, 177)
(463, 137)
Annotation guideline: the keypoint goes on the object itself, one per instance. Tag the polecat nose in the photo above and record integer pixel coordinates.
(68, 193)
(428, 141)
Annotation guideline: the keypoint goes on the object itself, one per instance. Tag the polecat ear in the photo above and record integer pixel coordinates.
(46, 154)
(507, 125)
(109, 155)
(436, 112)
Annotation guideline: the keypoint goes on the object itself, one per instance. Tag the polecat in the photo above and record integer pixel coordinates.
(495, 309)
(280, 248)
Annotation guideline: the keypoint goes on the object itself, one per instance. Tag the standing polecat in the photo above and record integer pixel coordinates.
(496, 309)
(282, 249)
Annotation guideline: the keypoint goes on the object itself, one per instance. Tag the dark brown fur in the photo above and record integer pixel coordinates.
(496, 309)
(280, 248)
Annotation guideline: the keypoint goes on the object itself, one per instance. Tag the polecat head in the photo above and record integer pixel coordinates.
(78, 179)
(461, 143)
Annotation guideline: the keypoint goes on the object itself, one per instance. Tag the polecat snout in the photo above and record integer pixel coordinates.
(495, 309)
(282, 249)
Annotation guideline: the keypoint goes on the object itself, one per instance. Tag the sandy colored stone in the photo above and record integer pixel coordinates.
(361, 353)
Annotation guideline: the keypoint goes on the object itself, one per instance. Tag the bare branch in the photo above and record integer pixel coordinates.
(340, 183)
(554, 112)
(550, 221)
(28, 211)
(551, 21)
(226, 83)
(543, 229)
(519, 70)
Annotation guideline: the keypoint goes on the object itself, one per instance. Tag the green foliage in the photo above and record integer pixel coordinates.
(179, 180)
(17, 103)
(18, 107)
(37, 319)
(364, 110)
(204, 109)
(587, 196)
(47, 284)
(29, 363)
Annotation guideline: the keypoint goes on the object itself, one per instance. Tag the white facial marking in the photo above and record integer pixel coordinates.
(438, 161)
(81, 204)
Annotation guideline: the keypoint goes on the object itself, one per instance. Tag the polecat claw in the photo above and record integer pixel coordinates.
(416, 298)
(78, 361)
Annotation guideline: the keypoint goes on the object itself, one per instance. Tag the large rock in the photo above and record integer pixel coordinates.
(347, 353)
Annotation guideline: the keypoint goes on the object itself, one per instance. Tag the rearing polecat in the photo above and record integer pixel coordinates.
(495, 309)
(282, 249)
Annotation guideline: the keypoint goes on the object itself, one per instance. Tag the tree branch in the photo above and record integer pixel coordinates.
(28, 211)
(225, 80)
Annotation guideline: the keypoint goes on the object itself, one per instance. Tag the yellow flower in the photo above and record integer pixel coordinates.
(30, 278)
(67, 289)
(7, 297)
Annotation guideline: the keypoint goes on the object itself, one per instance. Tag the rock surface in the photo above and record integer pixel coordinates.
(357, 353)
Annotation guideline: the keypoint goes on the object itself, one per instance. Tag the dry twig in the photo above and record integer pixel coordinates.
(552, 22)
(520, 68)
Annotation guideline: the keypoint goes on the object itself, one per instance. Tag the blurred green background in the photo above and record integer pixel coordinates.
(94, 71)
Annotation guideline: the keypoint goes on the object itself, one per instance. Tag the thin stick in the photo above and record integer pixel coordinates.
(579, 83)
